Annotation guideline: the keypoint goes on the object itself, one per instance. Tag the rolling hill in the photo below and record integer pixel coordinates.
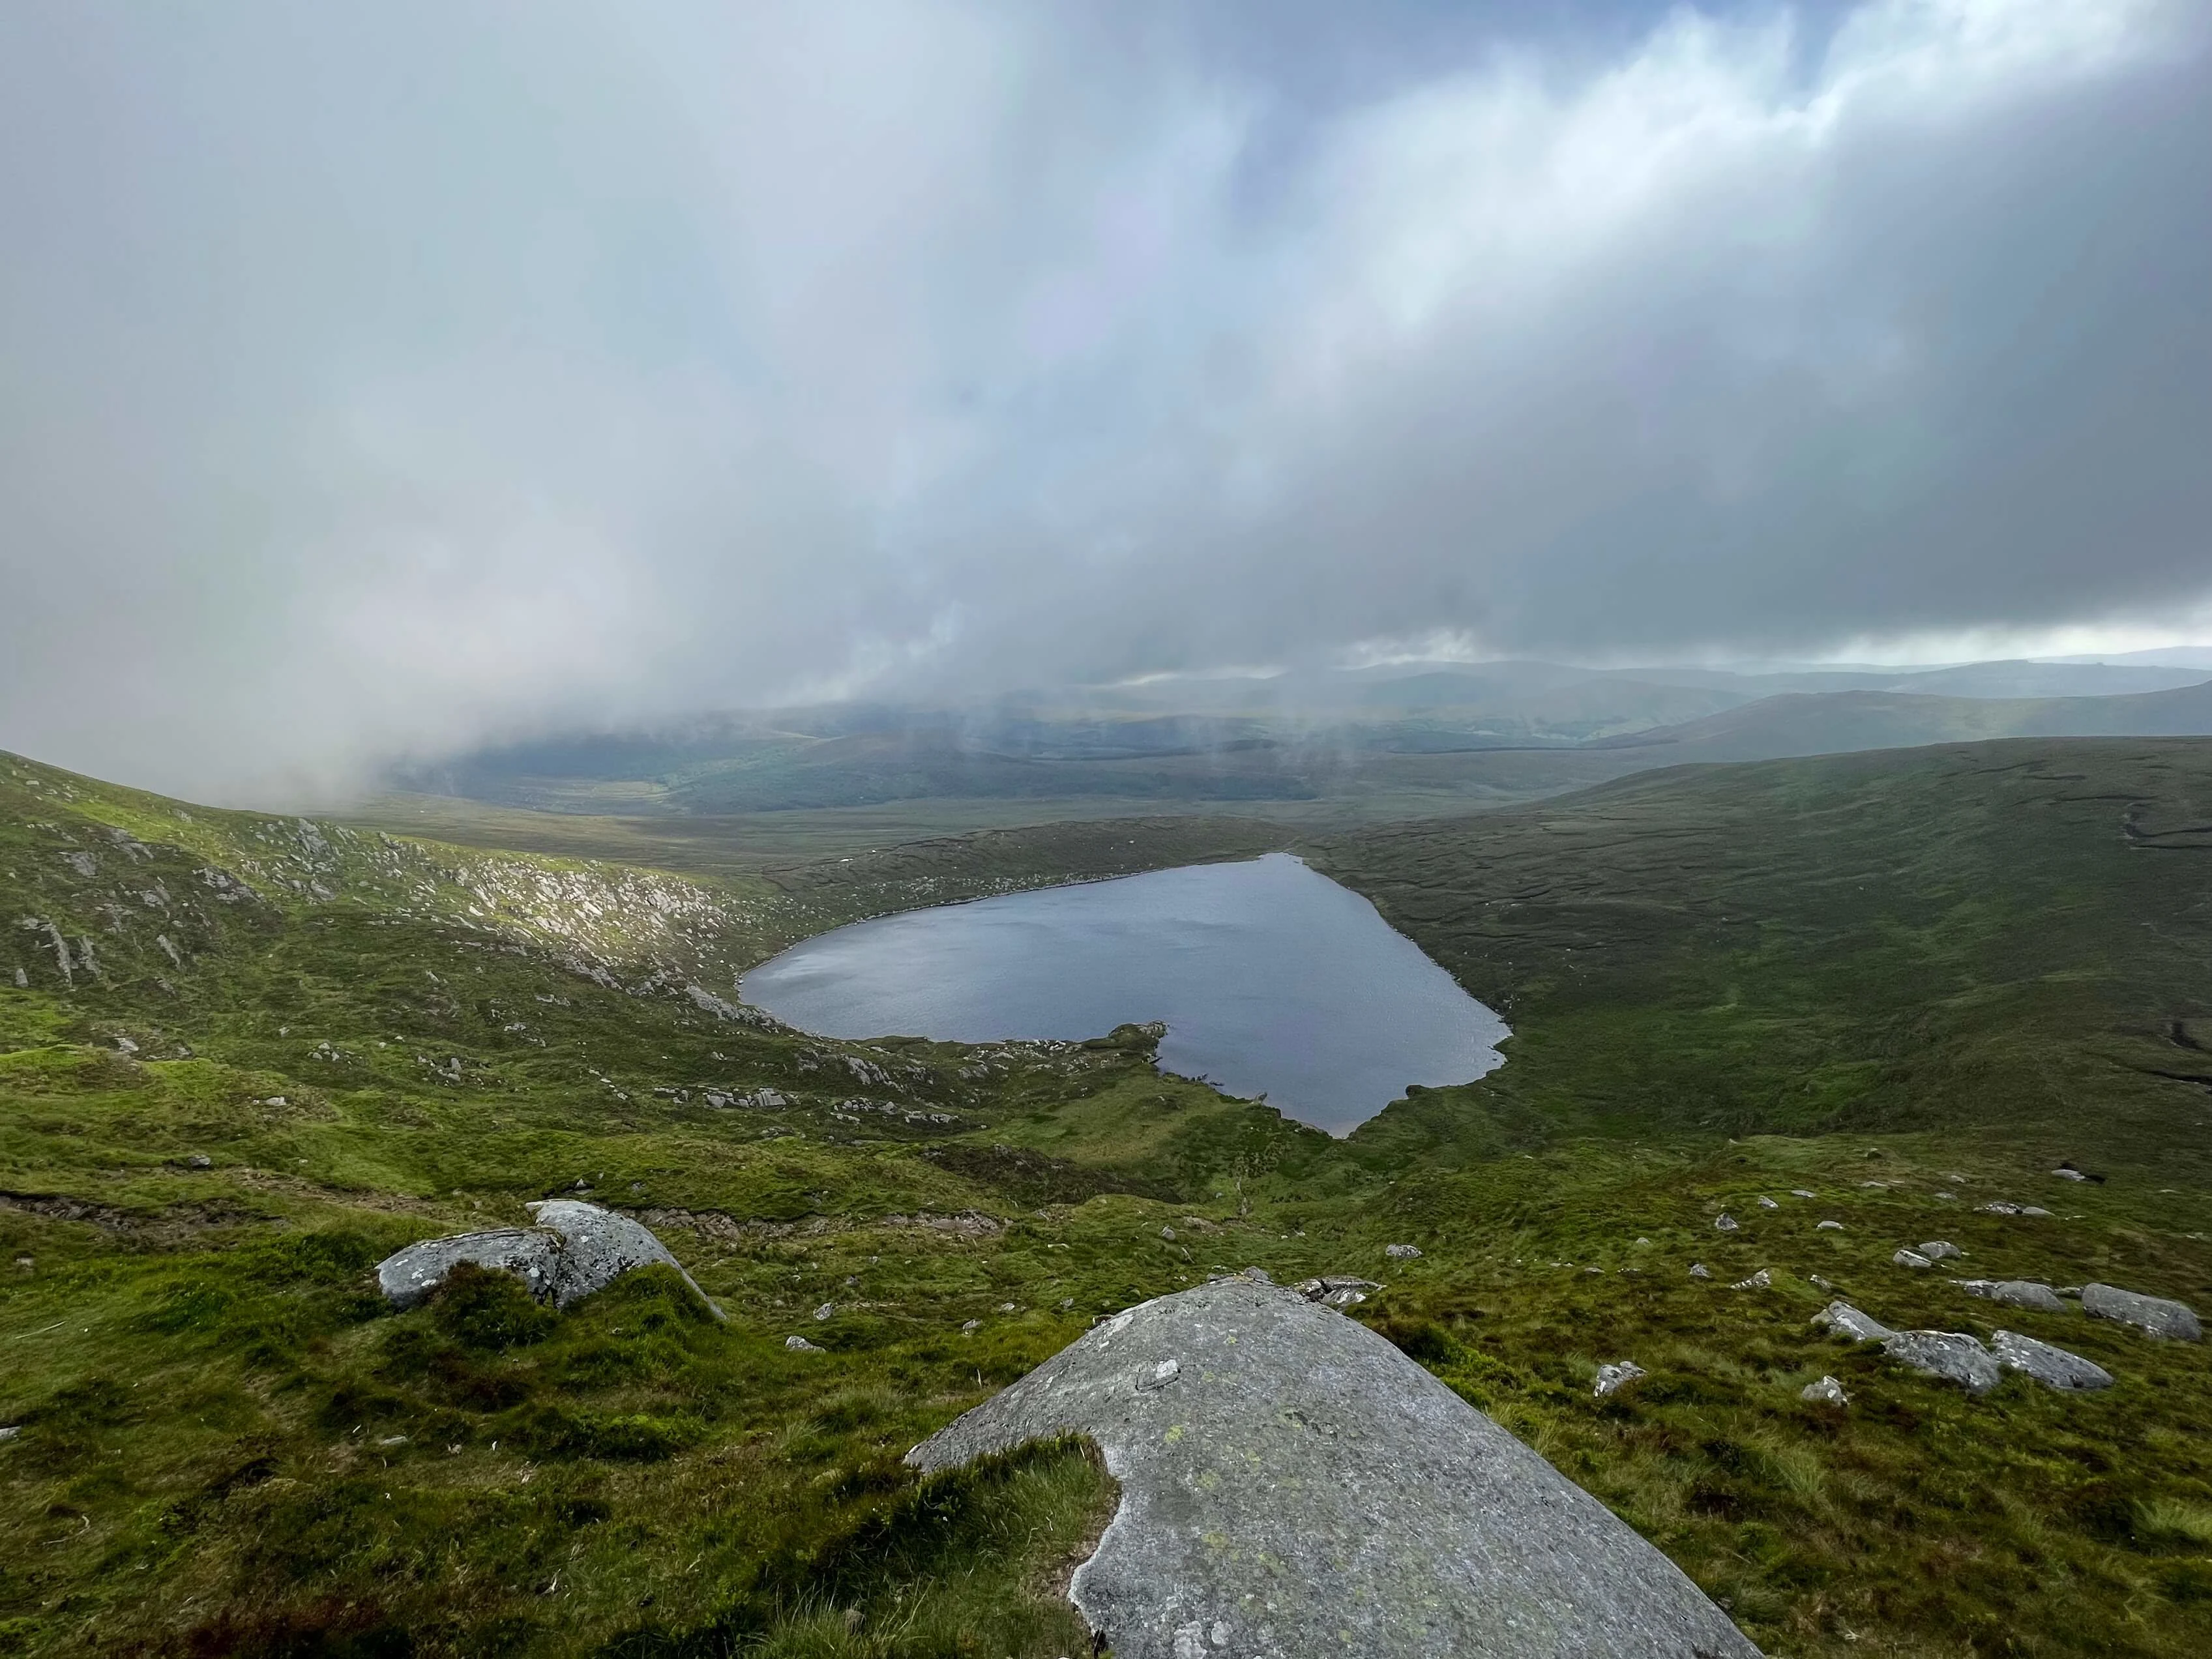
(242, 1057)
(1840, 722)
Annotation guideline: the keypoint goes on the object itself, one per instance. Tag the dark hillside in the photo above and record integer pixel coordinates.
(2003, 938)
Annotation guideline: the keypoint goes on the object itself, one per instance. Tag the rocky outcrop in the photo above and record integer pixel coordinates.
(1292, 1485)
(1844, 1320)
(1611, 1379)
(574, 1250)
(1954, 1356)
(2014, 1293)
(2154, 1313)
(2050, 1365)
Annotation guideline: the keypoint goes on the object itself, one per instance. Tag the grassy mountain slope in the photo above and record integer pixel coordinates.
(227, 1444)
(1839, 722)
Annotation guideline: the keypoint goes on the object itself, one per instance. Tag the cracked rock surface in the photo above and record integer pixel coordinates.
(574, 1250)
(1293, 1484)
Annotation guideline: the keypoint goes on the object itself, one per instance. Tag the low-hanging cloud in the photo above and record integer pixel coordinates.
(373, 381)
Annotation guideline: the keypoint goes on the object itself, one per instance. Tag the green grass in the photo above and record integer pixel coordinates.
(1938, 972)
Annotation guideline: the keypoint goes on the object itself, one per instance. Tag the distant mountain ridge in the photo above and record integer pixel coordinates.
(1840, 722)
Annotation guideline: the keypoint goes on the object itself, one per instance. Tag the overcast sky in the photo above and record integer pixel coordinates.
(374, 378)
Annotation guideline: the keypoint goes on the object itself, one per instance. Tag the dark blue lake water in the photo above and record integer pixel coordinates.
(1272, 980)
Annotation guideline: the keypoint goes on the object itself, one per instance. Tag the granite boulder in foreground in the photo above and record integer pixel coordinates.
(574, 1250)
(1292, 1485)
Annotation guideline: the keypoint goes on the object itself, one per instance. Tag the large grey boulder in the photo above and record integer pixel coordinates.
(2050, 1365)
(2014, 1293)
(1953, 1356)
(574, 1250)
(1843, 1319)
(1293, 1484)
(2154, 1313)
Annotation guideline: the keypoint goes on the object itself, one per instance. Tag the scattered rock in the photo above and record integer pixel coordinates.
(1911, 1259)
(1611, 1379)
(2064, 1174)
(971, 1327)
(2014, 1293)
(1827, 1226)
(574, 1250)
(1820, 1282)
(1699, 1270)
(199, 1161)
(1402, 1252)
(1941, 1250)
(2000, 1206)
(10, 1432)
(1766, 1203)
(1763, 1279)
(1168, 1233)
(1726, 1223)
(2153, 1314)
(1843, 1319)
(1799, 1192)
(1954, 1356)
(1827, 1391)
(2051, 1366)
(825, 1310)
(1292, 1494)
(1336, 1290)
(800, 1344)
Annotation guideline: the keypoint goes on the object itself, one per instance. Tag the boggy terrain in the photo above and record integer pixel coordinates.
(244, 1058)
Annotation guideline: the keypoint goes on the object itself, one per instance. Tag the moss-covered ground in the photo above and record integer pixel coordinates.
(1908, 985)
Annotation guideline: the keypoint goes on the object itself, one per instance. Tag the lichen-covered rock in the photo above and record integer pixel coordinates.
(574, 1250)
(1954, 1356)
(1300, 1486)
(1825, 1391)
(1940, 1250)
(1336, 1290)
(2014, 1293)
(1611, 1379)
(2154, 1313)
(1911, 1259)
(2052, 1366)
(1844, 1320)
(1402, 1252)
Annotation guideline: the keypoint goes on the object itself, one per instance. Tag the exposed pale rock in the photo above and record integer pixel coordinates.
(1328, 1285)
(2154, 1313)
(1401, 1252)
(1912, 1259)
(1941, 1250)
(1763, 1279)
(574, 1250)
(1799, 1192)
(1827, 1226)
(2069, 1175)
(1699, 1270)
(1766, 1203)
(2014, 1293)
(1611, 1379)
(1844, 1320)
(1726, 1223)
(2053, 1367)
(1954, 1356)
(1168, 1233)
(1302, 1487)
(1825, 1391)
(800, 1344)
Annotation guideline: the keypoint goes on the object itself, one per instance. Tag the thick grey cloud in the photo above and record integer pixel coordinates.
(376, 379)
